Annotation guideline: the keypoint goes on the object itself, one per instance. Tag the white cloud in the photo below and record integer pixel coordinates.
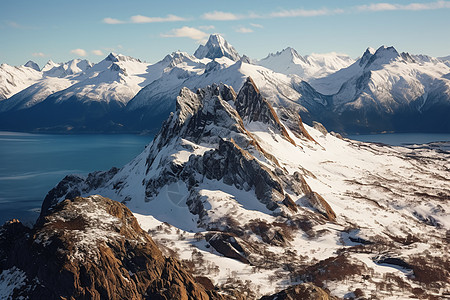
(112, 21)
(144, 19)
(79, 52)
(220, 16)
(256, 25)
(189, 32)
(38, 54)
(97, 52)
(244, 30)
(410, 6)
(305, 13)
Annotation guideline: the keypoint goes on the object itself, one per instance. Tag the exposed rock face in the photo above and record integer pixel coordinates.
(33, 65)
(252, 107)
(237, 167)
(304, 291)
(92, 248)
(228, 245)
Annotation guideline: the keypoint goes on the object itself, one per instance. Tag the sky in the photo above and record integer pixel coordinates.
(62, 30)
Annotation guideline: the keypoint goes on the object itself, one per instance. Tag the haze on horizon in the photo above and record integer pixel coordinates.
(60, 31)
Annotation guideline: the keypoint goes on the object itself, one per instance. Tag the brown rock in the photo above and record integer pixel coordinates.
(93, 248)
(303, 291)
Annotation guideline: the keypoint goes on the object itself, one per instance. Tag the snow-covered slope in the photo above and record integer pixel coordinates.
(217, 47)
(387, 90)
(35, 93)
(72, 67)
(117, 78)
(249, 196)
(15, 79)
(288, 61)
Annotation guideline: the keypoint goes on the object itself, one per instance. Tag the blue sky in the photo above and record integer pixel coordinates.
(62, 30)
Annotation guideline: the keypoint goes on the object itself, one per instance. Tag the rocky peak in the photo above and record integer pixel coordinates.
(366, 56)
(92, 248)
(383, 55)
(407, 57)
(293, 55)
(205, 115)
(217, 47)
(31, 64)
(50, 65)
(114, 57)
(176, 58)
(252, 107)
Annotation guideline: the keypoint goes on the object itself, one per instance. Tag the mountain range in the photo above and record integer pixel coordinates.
(253, 203)
(383, 90)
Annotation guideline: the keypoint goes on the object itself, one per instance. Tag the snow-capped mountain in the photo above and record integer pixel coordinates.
(117, 78)
(78, 94)
(386, 90)
(257, 201)
(445, 59)
(217, 47)
(33, 65)
(382, 91)
(72, 67)
(288, 62)
(15, 79)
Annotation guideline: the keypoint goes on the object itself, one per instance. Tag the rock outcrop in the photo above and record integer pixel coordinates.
(92, 248)
(252, 107)
(303, 291)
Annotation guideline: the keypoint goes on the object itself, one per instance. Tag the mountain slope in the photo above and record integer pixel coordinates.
(248, 195)
(15, 79)
(288, 61)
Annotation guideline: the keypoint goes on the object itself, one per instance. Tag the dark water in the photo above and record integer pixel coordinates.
(399, 139)
(32, 164)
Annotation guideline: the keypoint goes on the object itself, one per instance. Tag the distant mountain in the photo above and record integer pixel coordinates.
(72, 67)
(15, 79)
(78, 94)
(217, 47)
(386, 91)
(382, 91)
(288, 61)
(33, 65)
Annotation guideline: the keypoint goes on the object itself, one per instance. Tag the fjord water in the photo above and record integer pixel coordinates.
(32, 164)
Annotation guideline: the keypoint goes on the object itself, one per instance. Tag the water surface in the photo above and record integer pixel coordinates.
(32, 164)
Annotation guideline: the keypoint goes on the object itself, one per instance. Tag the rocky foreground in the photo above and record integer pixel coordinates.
(94, 248)
(91, 248)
